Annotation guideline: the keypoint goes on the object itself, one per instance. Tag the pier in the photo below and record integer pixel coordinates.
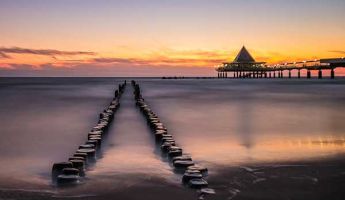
(244, 66)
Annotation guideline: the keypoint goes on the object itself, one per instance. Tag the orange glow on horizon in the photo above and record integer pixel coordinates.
(168, 57)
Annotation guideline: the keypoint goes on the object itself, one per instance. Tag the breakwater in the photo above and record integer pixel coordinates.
(72, 170)
(194, 175)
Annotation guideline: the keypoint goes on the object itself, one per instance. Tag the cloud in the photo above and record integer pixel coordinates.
(3, 55)
(46, 52)
(92, 70)
(118, 60)
(162, 62)
(338, 52)
(159, 60)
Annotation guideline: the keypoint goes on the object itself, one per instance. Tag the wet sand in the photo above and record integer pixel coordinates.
(290, 180)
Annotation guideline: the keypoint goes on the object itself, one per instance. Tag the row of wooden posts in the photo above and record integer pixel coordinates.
(270, 74)
(71, 171)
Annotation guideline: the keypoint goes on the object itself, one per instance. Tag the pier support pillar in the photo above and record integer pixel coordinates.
(320, 74)
(274, 74)
(332, 73)
(289, 73)
(308, 74)
(299, 73)
(270, 75)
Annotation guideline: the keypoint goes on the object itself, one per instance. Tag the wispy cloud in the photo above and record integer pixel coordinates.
(104, 70)
(46, 52)
(338, 52)
(160, 60)
(3, 55)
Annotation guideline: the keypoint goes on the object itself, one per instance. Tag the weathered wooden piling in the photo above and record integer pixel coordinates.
(320, 74)
(308, 73)
(332, 73)
(167, 144)
(70, 172)
(299, 73)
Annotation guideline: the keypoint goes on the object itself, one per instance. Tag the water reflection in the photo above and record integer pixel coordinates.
(227, 122)
(245, 122)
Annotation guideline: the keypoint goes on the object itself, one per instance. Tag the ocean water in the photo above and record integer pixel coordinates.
(220, 123)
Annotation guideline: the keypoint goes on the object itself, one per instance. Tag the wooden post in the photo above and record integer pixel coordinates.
(308, 73)
(289, 73)
(299, 73)
(270, 74)
(274, 74)
(332, 73)
(320, 74)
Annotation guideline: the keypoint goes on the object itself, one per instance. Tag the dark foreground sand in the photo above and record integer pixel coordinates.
(294, 180)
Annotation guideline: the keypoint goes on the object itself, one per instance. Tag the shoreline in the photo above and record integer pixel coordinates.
(311, 179)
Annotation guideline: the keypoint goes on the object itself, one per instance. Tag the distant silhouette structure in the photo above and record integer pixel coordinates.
(245, 66)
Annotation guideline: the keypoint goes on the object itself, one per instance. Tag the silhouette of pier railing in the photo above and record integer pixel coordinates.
(262, 70)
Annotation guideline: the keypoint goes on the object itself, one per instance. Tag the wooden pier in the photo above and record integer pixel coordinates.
(244, 66)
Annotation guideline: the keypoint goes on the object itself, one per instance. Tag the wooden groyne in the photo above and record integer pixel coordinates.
(71, 171)
(193, 174)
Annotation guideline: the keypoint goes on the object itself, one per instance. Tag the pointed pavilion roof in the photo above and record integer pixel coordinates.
(244, 57)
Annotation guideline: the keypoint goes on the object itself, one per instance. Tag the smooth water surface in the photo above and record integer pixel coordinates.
(218, 122)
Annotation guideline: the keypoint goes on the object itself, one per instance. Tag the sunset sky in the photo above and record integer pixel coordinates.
(162, 37)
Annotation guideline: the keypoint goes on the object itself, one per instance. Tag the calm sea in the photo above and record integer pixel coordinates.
(218, 122)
